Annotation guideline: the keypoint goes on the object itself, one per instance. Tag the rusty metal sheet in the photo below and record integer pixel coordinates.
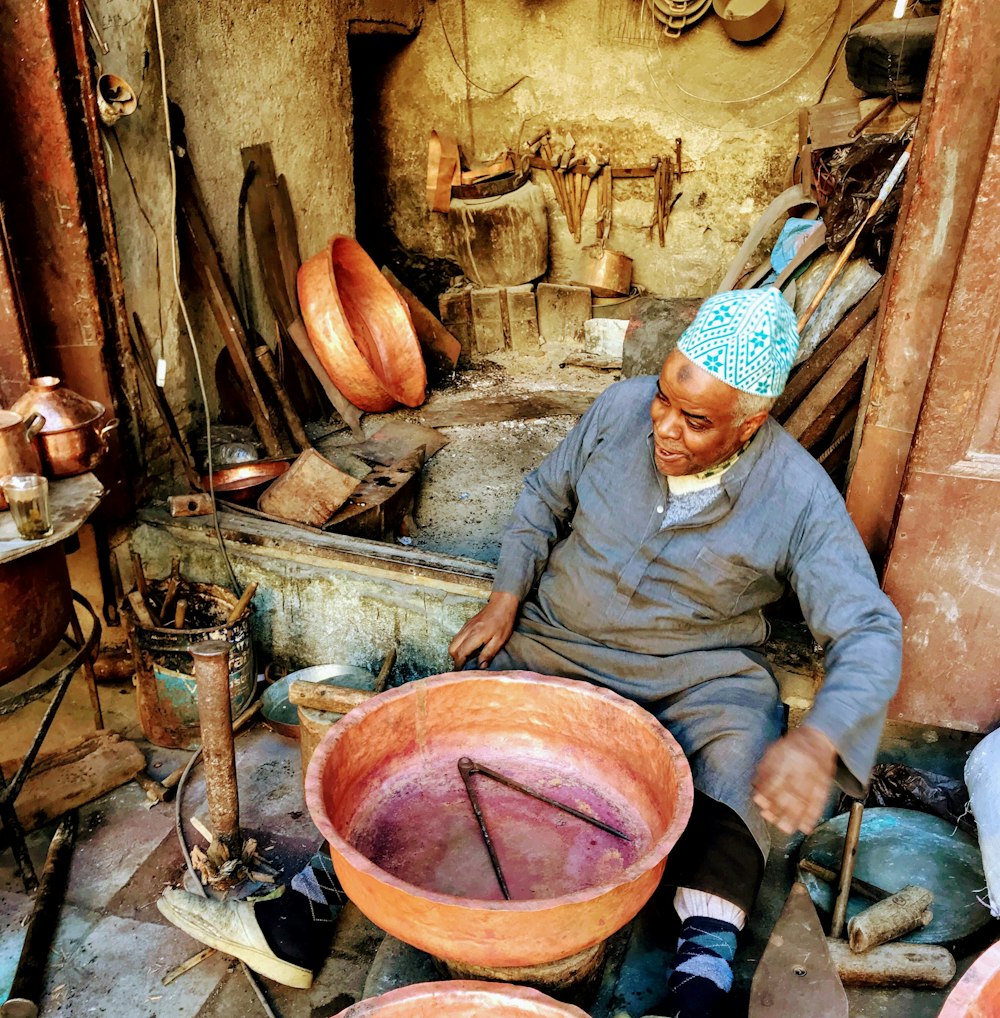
(963, 84)
(796, 978)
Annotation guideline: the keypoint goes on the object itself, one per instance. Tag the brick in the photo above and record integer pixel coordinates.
(455, 312)
(522, 319)
(487, 321)
(562, 310)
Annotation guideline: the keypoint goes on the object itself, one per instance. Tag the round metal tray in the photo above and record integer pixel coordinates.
(900, 847)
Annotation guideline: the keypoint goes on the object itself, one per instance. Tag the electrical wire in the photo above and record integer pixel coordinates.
(458, 64)
(180, 297)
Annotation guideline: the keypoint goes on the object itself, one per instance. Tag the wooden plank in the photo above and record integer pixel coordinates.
(449, 412)
(396, 441)
(807, 374)
(84, 771)
(310, 491)
(839, 375)
(440, 348)
(209, 268)
(379, 507)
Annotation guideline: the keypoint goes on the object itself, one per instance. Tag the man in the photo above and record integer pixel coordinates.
(639, 557)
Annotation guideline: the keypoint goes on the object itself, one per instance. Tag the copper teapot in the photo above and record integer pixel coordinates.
(18, 449)
(72, 438)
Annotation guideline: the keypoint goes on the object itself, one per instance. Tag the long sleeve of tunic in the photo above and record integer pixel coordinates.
(652, 610)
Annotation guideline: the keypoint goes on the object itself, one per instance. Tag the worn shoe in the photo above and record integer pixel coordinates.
(232, 928)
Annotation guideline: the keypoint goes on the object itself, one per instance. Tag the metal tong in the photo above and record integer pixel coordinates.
(468, 767)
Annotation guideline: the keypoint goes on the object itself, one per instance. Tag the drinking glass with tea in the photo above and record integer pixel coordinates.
(28, 498)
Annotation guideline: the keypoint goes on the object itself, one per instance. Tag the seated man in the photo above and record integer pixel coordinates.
(639, 557)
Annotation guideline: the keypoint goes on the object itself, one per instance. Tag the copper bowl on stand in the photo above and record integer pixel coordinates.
(461, 999)
(384, 789)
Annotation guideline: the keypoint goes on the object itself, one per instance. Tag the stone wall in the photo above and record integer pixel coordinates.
(734, 106)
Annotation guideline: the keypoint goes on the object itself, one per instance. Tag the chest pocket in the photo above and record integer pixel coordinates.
(715, 588)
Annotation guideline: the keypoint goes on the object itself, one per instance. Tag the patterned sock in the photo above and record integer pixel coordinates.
(298, 922)
(703, 973)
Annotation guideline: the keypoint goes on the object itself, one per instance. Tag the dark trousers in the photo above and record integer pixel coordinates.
(716, 853)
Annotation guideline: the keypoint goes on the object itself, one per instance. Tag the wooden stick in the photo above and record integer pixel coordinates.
(179, 613)
(383, 673)
(890, 182)
(241, 605)
(143, 588)
(893, 965)
(186, 966)
(828, 876)
(292, 420)
(338, 699)
(886, 920)
(888, 102)
(851, 838)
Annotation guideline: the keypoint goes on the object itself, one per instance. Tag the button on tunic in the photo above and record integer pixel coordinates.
(670, 614)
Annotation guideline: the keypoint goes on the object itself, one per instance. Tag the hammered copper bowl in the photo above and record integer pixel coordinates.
(461, 999)
(384, 790)
(977, 993)
(360, 328)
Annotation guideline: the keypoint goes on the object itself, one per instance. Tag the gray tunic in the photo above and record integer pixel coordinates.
(671, 616)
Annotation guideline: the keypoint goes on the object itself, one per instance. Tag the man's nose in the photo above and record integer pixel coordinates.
(668, 424)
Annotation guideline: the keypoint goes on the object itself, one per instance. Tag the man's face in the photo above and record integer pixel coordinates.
(693, 419)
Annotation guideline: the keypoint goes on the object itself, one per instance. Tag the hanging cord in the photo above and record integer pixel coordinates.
(458, 63)
(237, 586)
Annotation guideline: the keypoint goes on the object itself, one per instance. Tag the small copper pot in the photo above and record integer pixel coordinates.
(18, 449)
(73, 440)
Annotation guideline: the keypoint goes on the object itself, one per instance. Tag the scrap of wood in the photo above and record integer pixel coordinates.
(397, 440)
(198, 504)
(186, 966)
(208, 265)
(84, 771)
(309, 492)
(846, 371)
(585, 359)
(336, 699)
(379, 507)
(830, 123)
(448, 413)
(440, 348)
(811, 370)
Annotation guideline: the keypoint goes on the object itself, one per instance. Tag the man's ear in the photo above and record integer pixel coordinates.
(750, 426)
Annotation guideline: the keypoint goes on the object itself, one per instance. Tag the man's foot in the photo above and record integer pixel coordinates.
(703, 972)
(231, 927)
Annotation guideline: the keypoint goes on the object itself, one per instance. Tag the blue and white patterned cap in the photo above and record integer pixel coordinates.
(746, 338)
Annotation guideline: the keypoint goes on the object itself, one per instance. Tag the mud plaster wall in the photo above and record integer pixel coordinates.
(634, 99)
(243, 72)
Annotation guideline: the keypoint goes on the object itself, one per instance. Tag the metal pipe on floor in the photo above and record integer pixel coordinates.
(211, 672)
(29, 978)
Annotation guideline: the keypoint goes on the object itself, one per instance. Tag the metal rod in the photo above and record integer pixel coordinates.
(467, 768)
(851, 839)
(829, 876)
(211, 673)
(487, 772)
(88, 672)
(29, 977)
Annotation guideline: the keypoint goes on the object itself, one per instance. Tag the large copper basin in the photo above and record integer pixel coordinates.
(360, 328)
(461, 999)
(977, 993)
(385, 791)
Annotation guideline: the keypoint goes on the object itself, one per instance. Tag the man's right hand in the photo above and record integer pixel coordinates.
(486, 631)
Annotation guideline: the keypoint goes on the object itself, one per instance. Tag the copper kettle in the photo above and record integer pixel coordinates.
(72, 438)
(18, 450)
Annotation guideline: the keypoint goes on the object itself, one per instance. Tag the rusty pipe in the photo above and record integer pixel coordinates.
(211, 673)
(29, 977)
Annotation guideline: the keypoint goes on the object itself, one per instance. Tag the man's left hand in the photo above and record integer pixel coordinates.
(793, 780)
